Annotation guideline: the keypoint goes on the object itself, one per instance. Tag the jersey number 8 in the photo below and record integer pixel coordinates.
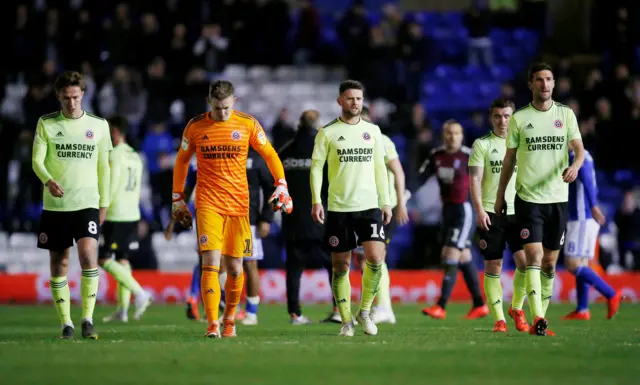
(93, 228)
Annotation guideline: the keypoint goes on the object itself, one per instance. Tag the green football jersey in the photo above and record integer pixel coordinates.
(390, 154)
(73, 152)
(541, 138)
(126, 179)
(355, 157)
(488, 153)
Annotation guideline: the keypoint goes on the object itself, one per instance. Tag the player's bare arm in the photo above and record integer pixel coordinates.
(317, 210)
(402, 216)
(508, 166)
(475, 188)
(571, 173)
(382, 180)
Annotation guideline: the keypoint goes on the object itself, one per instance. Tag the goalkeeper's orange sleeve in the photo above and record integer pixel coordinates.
(181, 167)
(262, 145)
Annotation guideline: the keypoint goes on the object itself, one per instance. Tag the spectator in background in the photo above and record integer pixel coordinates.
(210, 49)
(119, 34)
(21, 44)
(275, 29)
(627, 219)
(83, 34)
(588, 132)
(353, 30)
(592, 90)
(379, 74)
(160, 91)
(244, 31)
(478, 22)
(158, 149)
(40, 98)
(149, 41)
(575, 106)
(29, 186)
(419, 151)
(282, 131)
(394, 27)
(307, 34)
(128, 94)
(196, 86)
(477, 127)
(621, 41)
(605, 132)
(563, 90)
(414, 56)
(90, 87)
(179, 58)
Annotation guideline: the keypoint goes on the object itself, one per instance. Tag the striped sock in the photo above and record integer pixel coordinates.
(89, 292)
(61, 299)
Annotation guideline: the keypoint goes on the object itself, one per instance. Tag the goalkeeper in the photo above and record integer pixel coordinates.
(221, 139)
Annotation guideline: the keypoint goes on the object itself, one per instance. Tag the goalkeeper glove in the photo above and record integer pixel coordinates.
(180, 211)
(280, 199)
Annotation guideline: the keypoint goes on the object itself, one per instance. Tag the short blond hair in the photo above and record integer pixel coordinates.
(221, 89)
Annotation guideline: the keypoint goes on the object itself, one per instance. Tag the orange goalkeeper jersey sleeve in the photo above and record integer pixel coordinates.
(221, 150)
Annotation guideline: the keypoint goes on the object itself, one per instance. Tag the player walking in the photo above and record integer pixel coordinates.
(71, 157)
(538, 137)
(358, 204)
(495, 232)
(585, 219)
(221, 139)
(120, 230)
(449, 164)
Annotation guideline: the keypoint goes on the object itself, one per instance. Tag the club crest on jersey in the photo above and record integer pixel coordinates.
(43, 238)
(204, 239)
(235, 135)
(88, 134)
(262, 138)
(558, 123)
(524, 234)
(366, 136)
(456, 163)
(185, 144)
(483, 244)
(333, 241)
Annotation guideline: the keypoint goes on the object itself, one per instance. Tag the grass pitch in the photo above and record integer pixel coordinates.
(166, 348)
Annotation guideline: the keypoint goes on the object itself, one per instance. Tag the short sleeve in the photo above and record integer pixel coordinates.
(477, 155)
(389, 149)
(320, 147)
(513, 135)
(573, 132)
(257, 138)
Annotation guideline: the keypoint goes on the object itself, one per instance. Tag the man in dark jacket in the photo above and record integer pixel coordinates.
(303, 236)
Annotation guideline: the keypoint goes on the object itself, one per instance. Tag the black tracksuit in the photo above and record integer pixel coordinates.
(261, 185)
(303, 236)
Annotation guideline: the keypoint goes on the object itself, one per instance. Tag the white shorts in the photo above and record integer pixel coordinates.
(258, 253)
(581, 238)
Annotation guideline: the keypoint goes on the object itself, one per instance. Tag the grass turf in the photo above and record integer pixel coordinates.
(165, 348)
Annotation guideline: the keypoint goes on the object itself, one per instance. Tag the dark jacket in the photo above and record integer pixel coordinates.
(261, 185)
(296, 159)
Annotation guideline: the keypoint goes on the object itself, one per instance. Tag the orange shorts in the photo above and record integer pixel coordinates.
(229, 234)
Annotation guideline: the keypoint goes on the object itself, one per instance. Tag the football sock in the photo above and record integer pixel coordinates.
(252, 304)
(493, 292)
(519, 291)
(534, 291)
(582, 294)
(546, 281)
(342, 293)
(592, 278)
(470, 274)
(124, 294)
(233, 292)
(89, 292)
(384, 294)
(61, 299)
(210, 287)
(370, 284)
(448, 282)
(123, 276)
(194, 292)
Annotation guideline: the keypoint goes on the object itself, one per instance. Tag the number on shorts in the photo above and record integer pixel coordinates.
(375, 233)
(93, 228)
(562, 239)
(456, 235)
(572, 247)
(247, 246)
(131, 179)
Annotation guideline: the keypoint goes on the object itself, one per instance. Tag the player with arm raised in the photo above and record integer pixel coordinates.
(221, 139)
(359, 203)
(449, 163)
(495, 232)
(120, 230)
(537, 138)
(585, 219)
(71, 157)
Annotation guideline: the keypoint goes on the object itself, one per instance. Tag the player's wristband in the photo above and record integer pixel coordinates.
(176, 197)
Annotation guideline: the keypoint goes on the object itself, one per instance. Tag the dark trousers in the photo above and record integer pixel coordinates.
(301, 254)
